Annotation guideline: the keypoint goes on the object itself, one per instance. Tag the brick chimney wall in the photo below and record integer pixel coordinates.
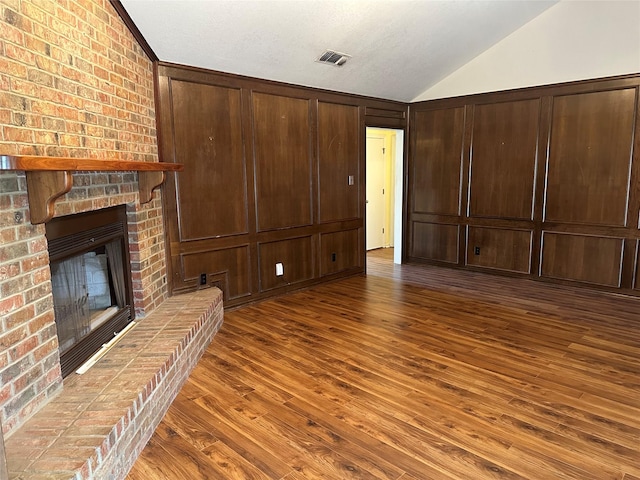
(73, 82)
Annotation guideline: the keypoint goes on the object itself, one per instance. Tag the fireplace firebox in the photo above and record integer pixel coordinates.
(90, 281)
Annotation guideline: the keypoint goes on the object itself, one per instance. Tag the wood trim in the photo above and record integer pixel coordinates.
(147, 183)
(26, 163)
(44, 188)
(48, 178)
(555, 89)
(217, 77)
(124, 15)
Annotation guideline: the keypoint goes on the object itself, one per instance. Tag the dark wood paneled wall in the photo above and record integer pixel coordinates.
(273, 174)
(541, 182)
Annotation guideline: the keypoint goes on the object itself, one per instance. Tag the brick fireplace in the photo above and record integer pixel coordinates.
(75, 83)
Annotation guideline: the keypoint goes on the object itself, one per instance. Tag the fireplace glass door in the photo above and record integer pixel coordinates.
(88, 289)
(90, 282)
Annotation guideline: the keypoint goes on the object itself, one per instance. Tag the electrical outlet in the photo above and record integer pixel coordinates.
(203, 279)
(476, 250)
(350, 180)
(279, 269)
(333, 257)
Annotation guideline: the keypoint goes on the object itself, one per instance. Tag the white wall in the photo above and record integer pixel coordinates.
(573, 40)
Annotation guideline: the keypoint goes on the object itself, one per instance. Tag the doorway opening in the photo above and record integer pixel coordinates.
(384, 164)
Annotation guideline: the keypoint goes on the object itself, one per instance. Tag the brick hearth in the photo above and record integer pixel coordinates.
(102, 420)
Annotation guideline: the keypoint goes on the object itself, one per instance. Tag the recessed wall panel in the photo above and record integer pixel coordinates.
(437, 160)
(589, 158)
(503, 159)
(338, 162)
(583, 258)
(229, 264)
(339, 251)
(435, 241)
(296, 257)
(499, 248)
(282, 151)
(208, 141)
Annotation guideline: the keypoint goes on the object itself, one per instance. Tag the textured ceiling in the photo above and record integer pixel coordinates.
(399, 48)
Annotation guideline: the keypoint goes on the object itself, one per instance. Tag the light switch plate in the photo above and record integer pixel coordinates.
(350, 179)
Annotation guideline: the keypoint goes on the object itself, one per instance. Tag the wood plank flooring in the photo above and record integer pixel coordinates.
(412, 372)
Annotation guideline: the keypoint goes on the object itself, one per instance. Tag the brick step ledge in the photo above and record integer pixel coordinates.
(100, 422)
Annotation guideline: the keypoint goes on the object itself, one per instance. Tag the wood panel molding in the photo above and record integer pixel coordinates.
(267, 182)
(549, 177)
(584, 258)
(590, 158)
(338, 162)
(437, 161)
(503, 159)
(499, 249)
(434, 241)
(282, 161)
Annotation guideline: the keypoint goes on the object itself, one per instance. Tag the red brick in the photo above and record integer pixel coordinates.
(74, 102)
(60, 27)
(45, 349)
(19, 201)
(11, 33)
(101, 73)
(34, 12)
(38, 245)
(20, 53)
(23, 348)
(24, 88)
(19, 317)
(69, 140)
(47, 64)
(6, 236)
(42, 275)
(27, 120)
(67, 113)
(46, 138)
(9, 270)
(13, 134)
(34, 262)
(5, 393)
(41, 322)
(78, 10)
(66, 16)
(43, 107)
(37, 45)
(45, 33)
(12, 68)
(12, 337)
(29, 150)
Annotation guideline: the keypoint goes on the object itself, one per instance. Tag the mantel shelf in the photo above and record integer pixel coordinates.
(48, 178)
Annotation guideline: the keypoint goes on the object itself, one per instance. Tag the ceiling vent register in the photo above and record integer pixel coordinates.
(334, 58)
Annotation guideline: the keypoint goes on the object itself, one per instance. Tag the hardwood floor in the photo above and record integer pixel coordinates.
(412, 372)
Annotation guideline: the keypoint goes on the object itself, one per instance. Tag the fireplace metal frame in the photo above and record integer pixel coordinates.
(71, 235)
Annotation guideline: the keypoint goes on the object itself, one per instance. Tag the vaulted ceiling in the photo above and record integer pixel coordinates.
(398, 48)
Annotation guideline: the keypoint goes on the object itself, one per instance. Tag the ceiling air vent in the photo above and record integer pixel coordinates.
(331, 57)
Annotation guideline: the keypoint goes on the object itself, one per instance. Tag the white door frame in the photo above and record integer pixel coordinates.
(398, 191)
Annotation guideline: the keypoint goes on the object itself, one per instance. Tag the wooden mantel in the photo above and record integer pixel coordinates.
(48, 178)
